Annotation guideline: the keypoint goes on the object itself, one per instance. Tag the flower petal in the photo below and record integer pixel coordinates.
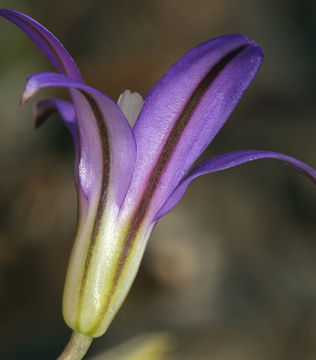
(184, 112)
(47, 107)
(104, 134)
(107, 159)
(227, 161)
(46, 41)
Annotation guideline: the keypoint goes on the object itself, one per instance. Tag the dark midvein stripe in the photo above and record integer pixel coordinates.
(161, 164)
(175, 135)
(103, 191)
(106, 160)
(45, 40)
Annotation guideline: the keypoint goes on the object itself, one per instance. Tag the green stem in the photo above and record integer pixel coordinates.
(77, 347)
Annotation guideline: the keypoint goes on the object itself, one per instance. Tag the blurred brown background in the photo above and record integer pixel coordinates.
(231, 271)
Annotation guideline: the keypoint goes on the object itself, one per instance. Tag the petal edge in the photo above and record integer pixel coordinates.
(227, 161)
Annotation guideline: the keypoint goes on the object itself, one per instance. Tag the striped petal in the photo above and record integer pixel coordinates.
(46, 41)
(105, 139)
(91, 148)
(184, 112)
(227, 161)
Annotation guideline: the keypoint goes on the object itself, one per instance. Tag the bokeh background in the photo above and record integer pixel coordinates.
(231, 271)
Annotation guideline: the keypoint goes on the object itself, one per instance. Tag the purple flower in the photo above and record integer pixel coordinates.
(128, 175)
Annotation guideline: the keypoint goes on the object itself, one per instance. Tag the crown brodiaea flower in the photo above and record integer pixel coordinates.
(133, 160)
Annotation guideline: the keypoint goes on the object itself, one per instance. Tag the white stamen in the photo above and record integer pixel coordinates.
(131, 105)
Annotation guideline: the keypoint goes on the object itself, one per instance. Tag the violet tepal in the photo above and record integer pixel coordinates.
(133, 158)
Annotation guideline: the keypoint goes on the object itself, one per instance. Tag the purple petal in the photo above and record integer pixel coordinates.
(184, 112)
(47, 107)
(105, 138)
(46, 42)
(227, 161)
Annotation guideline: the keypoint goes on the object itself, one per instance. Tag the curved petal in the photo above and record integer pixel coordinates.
(105, 138)
(184, 112)
(227, 161)
(47, 107)
(46, 42)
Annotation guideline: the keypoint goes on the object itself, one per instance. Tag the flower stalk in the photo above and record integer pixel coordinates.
(76, 348)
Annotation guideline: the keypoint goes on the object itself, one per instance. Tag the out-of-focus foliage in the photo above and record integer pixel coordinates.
(231, 271)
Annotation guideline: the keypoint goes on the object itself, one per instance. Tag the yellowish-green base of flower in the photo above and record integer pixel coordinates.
(77, 347)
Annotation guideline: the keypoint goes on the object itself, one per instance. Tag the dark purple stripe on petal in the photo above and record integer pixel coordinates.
(46, 42)
(160, 165)
(175, 135)
(105, 176)
(184, 112)
(108, 138)
(91, 111)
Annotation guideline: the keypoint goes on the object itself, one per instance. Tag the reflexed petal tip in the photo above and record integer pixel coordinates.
(30, 89)
(227, 161)
(46, 42)
(106, 135)
(43, 111)
(47, 107)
